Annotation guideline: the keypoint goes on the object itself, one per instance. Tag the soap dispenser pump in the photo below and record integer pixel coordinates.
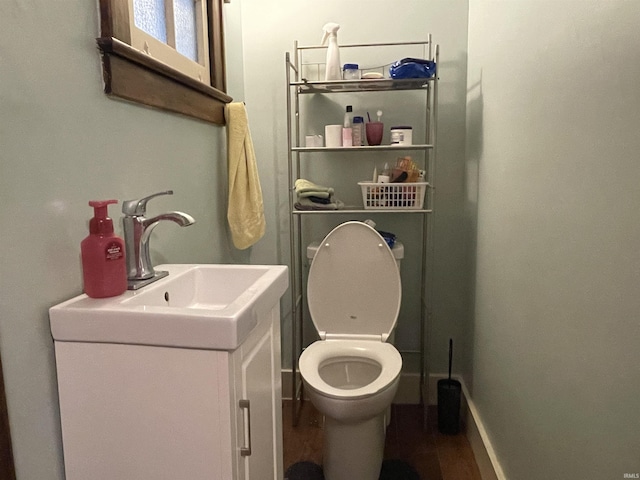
(332, 71)
(103, 255)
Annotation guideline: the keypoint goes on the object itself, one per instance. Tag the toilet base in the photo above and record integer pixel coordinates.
(354, 450)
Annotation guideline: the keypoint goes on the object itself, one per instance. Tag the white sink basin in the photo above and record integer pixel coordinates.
(196, 306)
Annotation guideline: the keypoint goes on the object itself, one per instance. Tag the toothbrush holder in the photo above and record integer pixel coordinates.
(374, 132)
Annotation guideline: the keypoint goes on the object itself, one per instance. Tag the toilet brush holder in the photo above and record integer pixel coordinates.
(449, 392)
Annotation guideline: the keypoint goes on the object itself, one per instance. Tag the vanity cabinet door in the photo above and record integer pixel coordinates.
(258, 403)
(131, 412)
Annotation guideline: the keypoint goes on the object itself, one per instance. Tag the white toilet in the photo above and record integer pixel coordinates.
(351, 375)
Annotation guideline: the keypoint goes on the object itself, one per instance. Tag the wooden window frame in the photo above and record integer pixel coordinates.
(135, 76)
(166, 51)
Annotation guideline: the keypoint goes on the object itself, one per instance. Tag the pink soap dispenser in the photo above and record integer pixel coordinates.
(103, 257)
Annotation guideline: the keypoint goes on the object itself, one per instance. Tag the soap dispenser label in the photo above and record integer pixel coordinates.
(113, 251)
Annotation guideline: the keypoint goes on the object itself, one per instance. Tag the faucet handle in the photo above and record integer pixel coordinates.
(139, 206)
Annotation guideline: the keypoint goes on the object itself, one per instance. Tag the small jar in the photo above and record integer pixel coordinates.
(402, 135)
(350, 71)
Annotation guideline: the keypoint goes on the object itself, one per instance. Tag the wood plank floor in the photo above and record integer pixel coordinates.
(433, 455)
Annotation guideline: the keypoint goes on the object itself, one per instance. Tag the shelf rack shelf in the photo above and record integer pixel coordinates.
(351, 86)
(356, 210)
(363, 148)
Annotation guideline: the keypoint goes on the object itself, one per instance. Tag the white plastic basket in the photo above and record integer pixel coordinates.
(393, 196)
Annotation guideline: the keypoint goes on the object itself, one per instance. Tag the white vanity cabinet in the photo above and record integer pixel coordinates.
(142, 412)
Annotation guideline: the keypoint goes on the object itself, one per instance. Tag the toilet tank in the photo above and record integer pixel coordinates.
(397, 250)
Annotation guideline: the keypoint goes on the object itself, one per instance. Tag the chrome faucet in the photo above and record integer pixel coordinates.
(137, 231)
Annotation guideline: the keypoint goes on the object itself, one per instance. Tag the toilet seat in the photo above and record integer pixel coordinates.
(354, 289)
(316, 354)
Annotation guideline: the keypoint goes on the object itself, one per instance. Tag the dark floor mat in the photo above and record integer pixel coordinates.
(304, 471)
(397, 470)
(391, 470)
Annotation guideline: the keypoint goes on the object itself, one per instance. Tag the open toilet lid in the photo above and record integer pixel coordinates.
(354, 284)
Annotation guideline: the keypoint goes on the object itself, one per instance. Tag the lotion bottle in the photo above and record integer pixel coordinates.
(333, 71)
(104, 267)
(357, 131)
(347, 131)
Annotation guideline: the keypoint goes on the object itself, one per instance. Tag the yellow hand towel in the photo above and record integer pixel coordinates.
(246, 210)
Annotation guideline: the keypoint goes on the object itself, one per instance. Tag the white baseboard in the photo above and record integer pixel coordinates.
(486, 459)
(409, 393)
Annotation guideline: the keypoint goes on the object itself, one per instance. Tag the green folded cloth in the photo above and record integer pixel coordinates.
(307, 204)
(305, 186)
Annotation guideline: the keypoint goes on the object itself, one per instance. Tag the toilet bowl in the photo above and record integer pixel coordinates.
(351, 374)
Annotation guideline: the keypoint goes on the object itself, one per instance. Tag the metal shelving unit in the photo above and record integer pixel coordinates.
(297, 86)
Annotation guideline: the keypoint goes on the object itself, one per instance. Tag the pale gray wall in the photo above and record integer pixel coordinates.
(552, 120)
(63, 143)
(553, 130)
(268, 31)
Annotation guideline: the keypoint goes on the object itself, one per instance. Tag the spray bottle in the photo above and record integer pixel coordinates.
(333, 54)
